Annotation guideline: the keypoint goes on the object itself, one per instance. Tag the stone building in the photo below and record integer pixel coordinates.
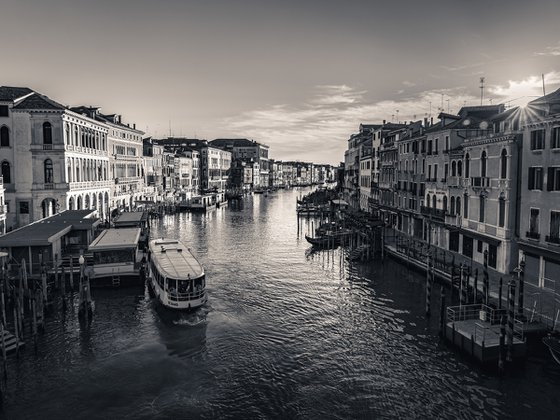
(539, 218)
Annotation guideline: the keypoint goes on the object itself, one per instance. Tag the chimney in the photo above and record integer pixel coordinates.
(431, 121)
(384, 122)
(134, 126)
(425, 121)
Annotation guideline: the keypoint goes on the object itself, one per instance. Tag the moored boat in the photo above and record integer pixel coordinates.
(553, 344)
(325, 241)
(175, 274)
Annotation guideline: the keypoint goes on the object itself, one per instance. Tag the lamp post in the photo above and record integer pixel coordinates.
(83, 301)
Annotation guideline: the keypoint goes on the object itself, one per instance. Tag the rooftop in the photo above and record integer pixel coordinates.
(45, 231)
(11, 93)
(112, 239)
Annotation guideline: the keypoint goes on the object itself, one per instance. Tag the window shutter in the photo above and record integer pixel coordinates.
(550, 179)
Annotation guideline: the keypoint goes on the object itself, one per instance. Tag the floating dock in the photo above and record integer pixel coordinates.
(475, 330)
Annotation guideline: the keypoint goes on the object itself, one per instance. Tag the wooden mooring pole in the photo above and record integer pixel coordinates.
(442, 312)
(511, 320)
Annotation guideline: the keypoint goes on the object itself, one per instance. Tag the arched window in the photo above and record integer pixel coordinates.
(459, 168)
(47, 133)
(452, 209)
(453, 169)
(483, 159)
(503, 161)
(49, 173)
(428, 200)
(434, 201)
(4, 136)
(6, 172)
(481, 209)
(501, 211)
(445, 203)
(466, 206)
(458, 205)
(467, 165)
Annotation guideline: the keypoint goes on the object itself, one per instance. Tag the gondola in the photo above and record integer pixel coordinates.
(323, 241)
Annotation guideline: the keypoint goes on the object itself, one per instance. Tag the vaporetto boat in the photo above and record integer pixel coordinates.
(176, 275)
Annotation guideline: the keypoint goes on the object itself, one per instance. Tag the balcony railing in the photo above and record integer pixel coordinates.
(433, 212)
(533, 235)
(553, 239)
(480, 181)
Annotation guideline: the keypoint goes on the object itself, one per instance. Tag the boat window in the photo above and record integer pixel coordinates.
(112, 256)
(171, 285)
(184, 286)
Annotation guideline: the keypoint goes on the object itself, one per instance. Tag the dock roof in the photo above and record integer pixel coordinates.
(45, 231)
(111, 239)
(131, 217)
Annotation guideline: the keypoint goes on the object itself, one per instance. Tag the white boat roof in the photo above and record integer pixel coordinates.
(124, 238)
(174, 259)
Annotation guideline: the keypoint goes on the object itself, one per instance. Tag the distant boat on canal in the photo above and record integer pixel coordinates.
(175, 275)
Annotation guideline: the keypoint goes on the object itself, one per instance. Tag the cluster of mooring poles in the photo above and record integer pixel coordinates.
(27, 301)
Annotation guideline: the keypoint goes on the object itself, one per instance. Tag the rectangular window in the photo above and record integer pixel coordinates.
(555, 138)
(533, 222)
(479, 246)
(24, 207)
(553, 179)
(554, 227)
(435, 172)
(4, 110)
(466, 206)
(535, 178)
(437, 146)
(537, 139)
(446, 143)
(481, 209)
(467, 247)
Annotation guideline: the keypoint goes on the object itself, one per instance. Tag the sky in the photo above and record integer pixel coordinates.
(299, 76)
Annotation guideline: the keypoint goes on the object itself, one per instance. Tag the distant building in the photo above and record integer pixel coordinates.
(248, 149)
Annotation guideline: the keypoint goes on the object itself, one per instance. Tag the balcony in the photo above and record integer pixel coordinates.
(454, 181)
(453, 219)
(480, 182)
(433, 212)
(533, 235)
(553, 239)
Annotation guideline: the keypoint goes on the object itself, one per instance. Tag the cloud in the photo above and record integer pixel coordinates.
(551, 51)
(463, 67)
(408, 84)
(336, 94)
(318, 129)
(524, 90)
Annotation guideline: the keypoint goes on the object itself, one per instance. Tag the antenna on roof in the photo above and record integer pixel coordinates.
(481, 89)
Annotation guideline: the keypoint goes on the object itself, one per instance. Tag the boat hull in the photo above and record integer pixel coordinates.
(324, 241)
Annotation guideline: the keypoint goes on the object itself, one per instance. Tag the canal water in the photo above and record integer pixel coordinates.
(288, 332)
